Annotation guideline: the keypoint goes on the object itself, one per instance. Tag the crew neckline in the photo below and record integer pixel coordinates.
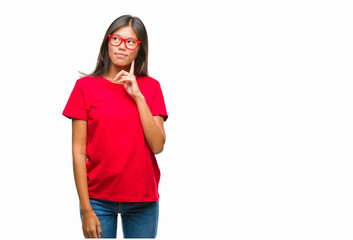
(115, 84)
(110, 83)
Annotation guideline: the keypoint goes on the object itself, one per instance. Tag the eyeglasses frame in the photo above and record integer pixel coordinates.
(124, 40)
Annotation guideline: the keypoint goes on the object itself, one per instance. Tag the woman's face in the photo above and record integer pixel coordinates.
(120, 55)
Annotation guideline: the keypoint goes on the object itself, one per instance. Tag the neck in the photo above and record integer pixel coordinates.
(114, 70)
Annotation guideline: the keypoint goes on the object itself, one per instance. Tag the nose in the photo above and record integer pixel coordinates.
(122, 46)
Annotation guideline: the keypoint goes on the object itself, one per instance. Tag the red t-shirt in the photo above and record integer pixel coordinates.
(120, 167)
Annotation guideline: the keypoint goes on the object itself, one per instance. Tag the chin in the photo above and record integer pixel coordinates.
(121, 63)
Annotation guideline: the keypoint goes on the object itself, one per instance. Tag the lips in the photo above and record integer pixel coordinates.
(120, 55)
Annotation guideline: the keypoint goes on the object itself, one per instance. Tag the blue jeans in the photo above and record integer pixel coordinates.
(139, 219)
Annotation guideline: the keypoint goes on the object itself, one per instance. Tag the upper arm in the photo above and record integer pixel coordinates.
(79, 136)
(159, 120)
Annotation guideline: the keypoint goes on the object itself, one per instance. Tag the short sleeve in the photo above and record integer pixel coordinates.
(75, 106)
(158, 105)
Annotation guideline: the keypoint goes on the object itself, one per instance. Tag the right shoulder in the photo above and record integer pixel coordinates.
(85, 81)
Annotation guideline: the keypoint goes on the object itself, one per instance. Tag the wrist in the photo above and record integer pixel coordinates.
(86, 210)
(139, 97)
(85, 206)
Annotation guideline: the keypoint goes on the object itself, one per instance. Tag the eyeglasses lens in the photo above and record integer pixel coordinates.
(115, 40)
(131, 44)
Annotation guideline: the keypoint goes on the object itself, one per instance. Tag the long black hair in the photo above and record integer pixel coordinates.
(141, 61)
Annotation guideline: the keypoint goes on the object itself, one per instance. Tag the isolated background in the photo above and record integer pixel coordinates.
(259, 96)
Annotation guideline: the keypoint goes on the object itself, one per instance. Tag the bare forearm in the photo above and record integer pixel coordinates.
(154, 135)
(80, 174)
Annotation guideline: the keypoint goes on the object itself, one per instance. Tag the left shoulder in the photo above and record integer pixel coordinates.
(150, 81)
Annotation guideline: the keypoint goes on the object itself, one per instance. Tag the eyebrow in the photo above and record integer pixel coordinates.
(124, 37)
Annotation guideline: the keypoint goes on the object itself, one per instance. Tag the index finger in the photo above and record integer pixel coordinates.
(132, 68)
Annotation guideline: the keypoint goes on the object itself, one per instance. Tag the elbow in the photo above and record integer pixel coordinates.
(157, 150)
(79, 157)
(157, 147)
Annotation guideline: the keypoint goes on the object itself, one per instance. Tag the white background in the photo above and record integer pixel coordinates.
(259, 97)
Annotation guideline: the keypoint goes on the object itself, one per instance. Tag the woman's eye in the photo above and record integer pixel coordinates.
(131, 42)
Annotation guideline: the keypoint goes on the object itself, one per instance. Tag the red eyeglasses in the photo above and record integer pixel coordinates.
(131, 44)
